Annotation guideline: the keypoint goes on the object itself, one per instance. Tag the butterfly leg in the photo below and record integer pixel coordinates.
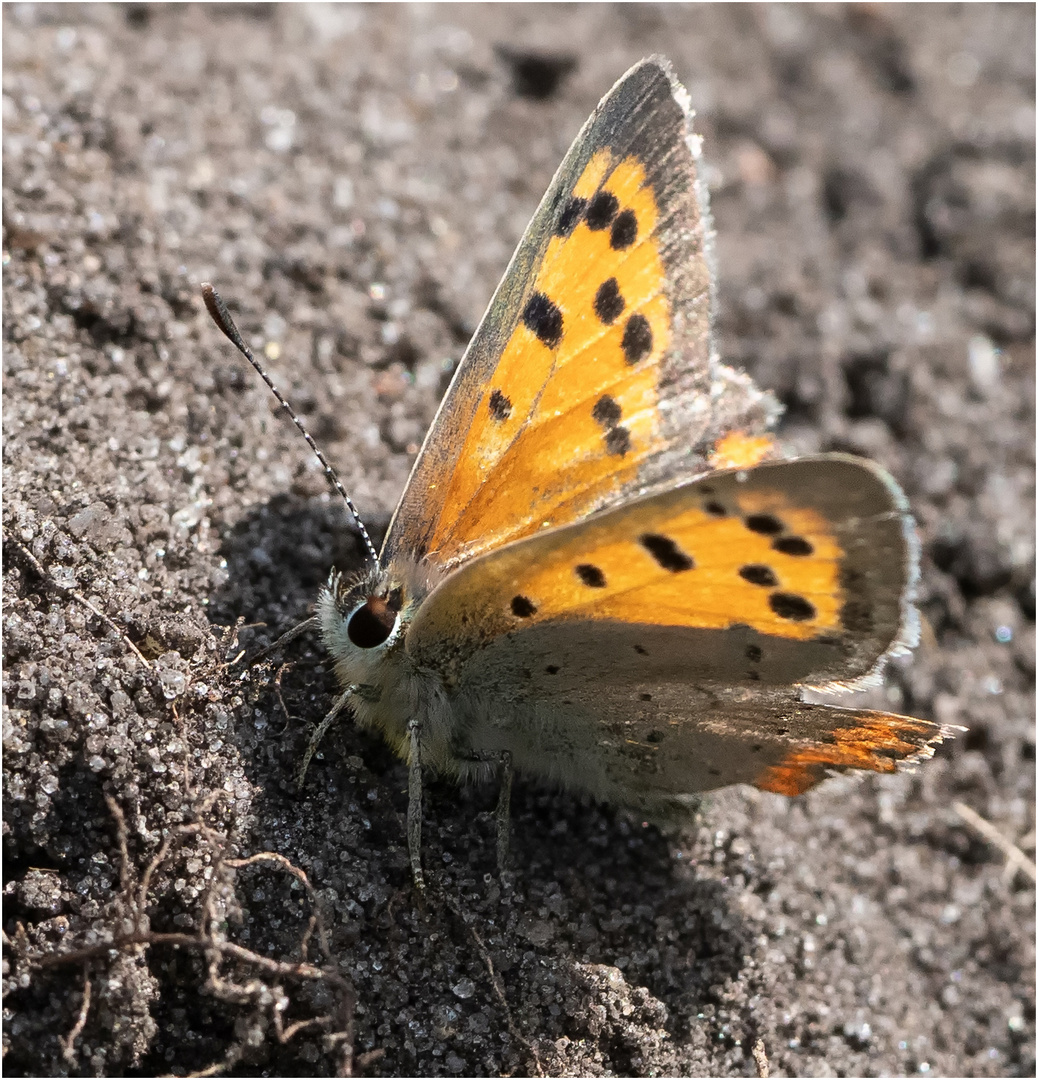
(321, 730)
(504, 810)
(414, 805)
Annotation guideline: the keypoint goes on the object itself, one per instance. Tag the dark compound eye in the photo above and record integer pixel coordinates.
(372, 623)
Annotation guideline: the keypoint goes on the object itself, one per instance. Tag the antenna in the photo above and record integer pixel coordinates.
(222, 317)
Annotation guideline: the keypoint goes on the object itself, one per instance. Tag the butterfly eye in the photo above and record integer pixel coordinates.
(372, 623)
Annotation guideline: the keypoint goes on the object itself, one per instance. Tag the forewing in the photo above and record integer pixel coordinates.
(592, 374)
(789, 573)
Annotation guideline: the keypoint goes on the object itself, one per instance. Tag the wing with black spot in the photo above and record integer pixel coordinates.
(592, 375)
(792, 573)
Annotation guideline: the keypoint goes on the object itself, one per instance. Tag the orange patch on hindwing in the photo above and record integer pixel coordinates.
(875, 742)
(571, 408)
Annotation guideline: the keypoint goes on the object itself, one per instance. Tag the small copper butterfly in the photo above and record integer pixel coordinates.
(601, 573)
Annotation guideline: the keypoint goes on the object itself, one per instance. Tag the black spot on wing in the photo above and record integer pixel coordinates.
(601, 211)
(792, 607)
(765, 524)
(609, 304)
(543, 318)
(624, 231)
(618, 440)
(637, 339)
(570, 217)
(522, 607)
(793, 545)
(500, 406)
(590, 575)
(758, 574)
(666, 552)
(606, 411)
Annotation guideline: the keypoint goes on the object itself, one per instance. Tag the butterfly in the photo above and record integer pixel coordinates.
(601, 572)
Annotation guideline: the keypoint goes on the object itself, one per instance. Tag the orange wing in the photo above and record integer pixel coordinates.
(592, 375)
(792, 573)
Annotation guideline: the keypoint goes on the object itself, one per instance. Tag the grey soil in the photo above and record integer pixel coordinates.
(354, 179)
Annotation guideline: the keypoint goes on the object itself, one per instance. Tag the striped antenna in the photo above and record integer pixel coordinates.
(222, 317)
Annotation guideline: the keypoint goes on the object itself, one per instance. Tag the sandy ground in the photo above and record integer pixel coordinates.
(355, 180)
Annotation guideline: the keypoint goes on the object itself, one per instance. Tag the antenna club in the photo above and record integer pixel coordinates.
(222, 317)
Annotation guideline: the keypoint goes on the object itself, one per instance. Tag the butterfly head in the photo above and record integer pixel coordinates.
(363, 612)
(364, 618)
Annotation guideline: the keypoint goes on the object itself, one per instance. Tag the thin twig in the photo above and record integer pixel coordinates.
(1014, 856)
(281, 698)
(338, 1041)
(231, 1058)
(342, 1038)
(76, 595)
(67, 1049)
(191, 941)
(121, 837)
(159, 858)
(300, 876)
